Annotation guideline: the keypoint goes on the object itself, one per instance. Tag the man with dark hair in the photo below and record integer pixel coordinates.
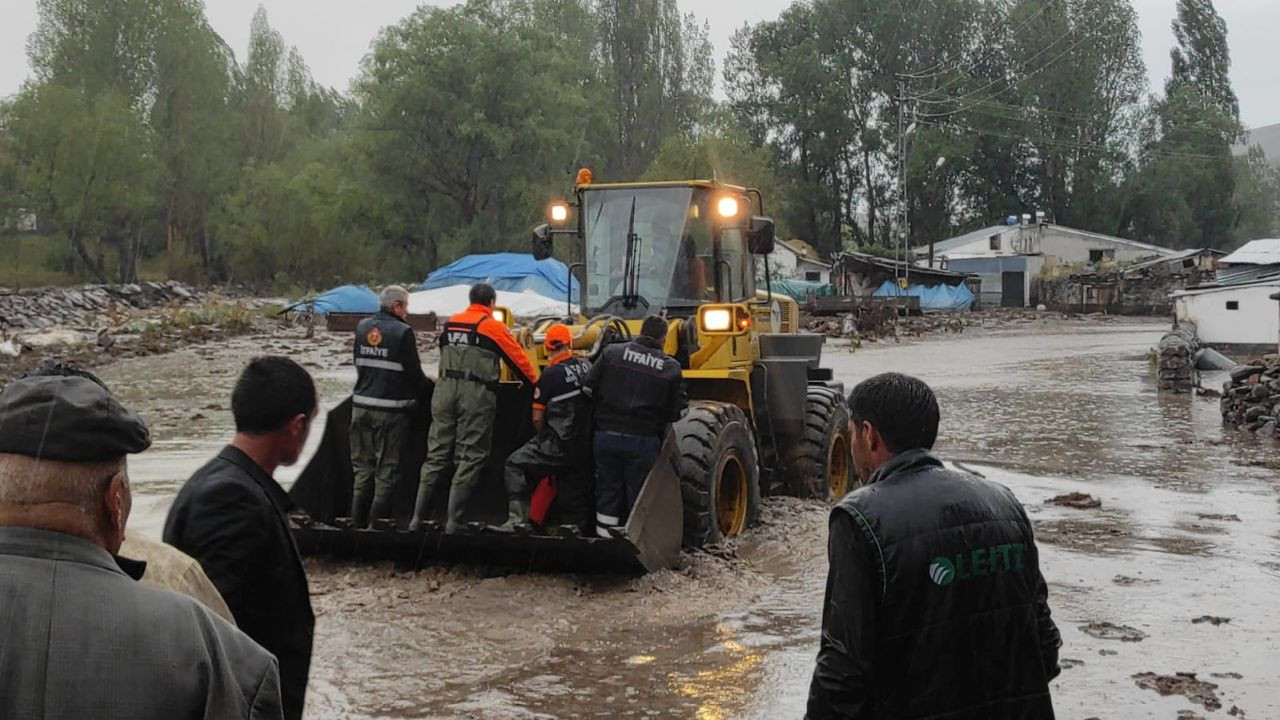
(81, 638)
(389, 379)
(637, 392)
(935, 606)
(231, 517)
(473, 345)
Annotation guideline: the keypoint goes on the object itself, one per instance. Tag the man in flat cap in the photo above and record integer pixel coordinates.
(162, 566)
(231, 516)
(80, 637)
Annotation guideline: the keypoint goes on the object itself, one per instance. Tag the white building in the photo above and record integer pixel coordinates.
(798, 260)
(1009, 257)
(1236, 318)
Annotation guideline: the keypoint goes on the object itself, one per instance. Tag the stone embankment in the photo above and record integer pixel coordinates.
(49, 307)
(1251, 398)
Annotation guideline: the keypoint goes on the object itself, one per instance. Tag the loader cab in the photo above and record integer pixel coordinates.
(664, 248)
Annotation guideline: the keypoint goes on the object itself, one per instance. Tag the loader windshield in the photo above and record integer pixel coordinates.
(654, 243)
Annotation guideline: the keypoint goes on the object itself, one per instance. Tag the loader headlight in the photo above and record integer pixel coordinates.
(727, 207)
(717, 319)
(724, 319)
(501, 315)
(558, 212)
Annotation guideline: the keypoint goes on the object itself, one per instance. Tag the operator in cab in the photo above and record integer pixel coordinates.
(637, 392)
(472, 345)
(562, 419)
(389, 379)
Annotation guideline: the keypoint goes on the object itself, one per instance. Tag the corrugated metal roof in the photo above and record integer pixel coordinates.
(1256, 252)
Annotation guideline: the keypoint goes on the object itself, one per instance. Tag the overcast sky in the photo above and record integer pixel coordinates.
(334, 34)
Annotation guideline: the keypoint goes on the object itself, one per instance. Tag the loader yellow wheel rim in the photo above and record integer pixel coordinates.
(838, 464)
(731, 495)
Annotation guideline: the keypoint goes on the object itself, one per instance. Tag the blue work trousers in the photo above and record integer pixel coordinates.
(622, 463)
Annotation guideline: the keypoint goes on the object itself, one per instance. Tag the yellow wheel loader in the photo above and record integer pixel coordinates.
(763, 416)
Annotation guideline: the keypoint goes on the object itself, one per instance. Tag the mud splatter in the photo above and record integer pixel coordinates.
(1110, 631)
(1184, 683)
(1077, 500)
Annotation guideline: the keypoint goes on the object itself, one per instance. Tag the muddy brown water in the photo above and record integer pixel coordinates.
(1046, 407)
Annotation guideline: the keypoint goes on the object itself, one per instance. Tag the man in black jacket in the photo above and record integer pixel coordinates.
(231, 517)
(389, 379)
(637, 393)
(935, 605)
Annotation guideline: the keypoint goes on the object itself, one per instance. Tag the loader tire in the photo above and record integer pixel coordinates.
(719, 473)
(818, 464)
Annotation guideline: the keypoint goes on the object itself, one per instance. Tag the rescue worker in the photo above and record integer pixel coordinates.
(389, 379)
(935, 606)
(472, 344)
(561, 416)
(637, 391)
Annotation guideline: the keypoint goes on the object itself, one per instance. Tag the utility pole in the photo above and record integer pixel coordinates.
(904, 242)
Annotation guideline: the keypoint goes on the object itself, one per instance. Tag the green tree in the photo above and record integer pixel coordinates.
(1202, 58)
(659, 67)
(469, 156)
(81, 163)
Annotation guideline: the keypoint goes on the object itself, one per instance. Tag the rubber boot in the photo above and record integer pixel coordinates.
(517, 516)
(459, 499)
(421, 507)
(359, 512)
(381, 510)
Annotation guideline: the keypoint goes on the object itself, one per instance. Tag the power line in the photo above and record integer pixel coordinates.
(1067, 144)
(962, 73)
(1015, 81)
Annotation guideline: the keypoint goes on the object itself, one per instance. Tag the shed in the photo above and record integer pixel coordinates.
(1240, 318)
(860, 274)
(798, 260)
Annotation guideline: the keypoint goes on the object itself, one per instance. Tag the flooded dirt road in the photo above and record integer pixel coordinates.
(1187, 535)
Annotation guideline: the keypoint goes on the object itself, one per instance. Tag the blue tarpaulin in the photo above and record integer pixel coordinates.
(346, 298)
(936, 298)
(514, 272)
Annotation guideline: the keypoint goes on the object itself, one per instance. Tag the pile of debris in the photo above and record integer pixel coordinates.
(40, 308)
(1175, 361)
(1251, 398)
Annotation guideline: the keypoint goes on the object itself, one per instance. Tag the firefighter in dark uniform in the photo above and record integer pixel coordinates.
(637, 392)
(472, 344)
(389, 379)
(562, 417)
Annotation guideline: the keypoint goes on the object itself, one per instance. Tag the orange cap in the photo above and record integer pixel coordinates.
(558, 337)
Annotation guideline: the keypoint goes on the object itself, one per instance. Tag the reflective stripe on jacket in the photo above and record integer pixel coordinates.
(388, 372)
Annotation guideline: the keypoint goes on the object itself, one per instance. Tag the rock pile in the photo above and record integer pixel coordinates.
(1175, 361)
(1251, 398)
(47, 307)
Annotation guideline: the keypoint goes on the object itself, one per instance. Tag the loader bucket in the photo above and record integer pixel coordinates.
(322, 495)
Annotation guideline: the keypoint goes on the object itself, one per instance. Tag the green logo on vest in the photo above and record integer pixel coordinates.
(941, 571)
(980, 562)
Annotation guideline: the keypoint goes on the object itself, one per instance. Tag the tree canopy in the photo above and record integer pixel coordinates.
(143, 146)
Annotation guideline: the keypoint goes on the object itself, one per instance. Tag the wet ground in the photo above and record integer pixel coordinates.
(1188, 527)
